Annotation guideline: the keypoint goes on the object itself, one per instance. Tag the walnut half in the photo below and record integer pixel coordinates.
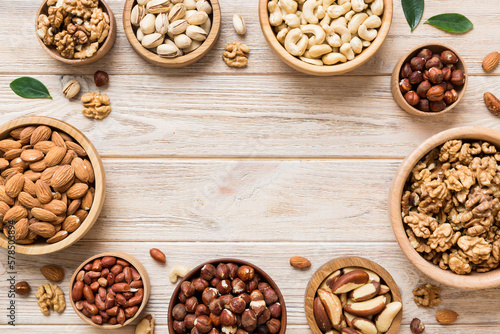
(235, 55)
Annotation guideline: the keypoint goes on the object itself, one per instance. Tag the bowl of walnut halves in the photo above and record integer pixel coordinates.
(76, 32)
(445, 207)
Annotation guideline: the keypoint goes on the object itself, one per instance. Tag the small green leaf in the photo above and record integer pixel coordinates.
(451, 22)
(30, 88)
(413, 9)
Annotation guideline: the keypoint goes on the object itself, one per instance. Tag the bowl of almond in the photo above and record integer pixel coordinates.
(51, 185)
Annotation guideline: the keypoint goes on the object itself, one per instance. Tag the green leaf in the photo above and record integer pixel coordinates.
(413, 9)
(451, 22)
(30, 88)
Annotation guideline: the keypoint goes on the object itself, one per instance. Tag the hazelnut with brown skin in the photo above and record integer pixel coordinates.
(22, 288)
(191, 304)
(226, 299)
(216, 306)
(179, 312)
(249, 320)
(446, 73)
(224, 287)
(270, 296)
(227, 318)
(261, 329)
(264, 317)
(434, 62)
(238, 286)
(425, 53)
(275, 310)
(208, 272)
(457, 78)
(188, 288)
(202, 309)
(412, 98)
(416, 78)
(246, 297)
(435, 75)
(450, 96)
(214, 282)
(423, 105)
(246, 273)
(274, 326)
(423, 88)
(200, 284)
(189, 321)
(233, 270)
(203, 324)
(406, 70)
(101, 78)
(405, 86)
(237, 305)
(417, 63)
(437, 106)
(179, 327)
(215, 319)
(435, 93)
(416, 326)
(222, 271)
(448, 57)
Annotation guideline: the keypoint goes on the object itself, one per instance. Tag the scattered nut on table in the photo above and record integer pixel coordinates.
(493, 103)
(446, 317)
(96, 105)
(325, 32)
(50, 296)
(417, 326)
(178, 271)
(71, 89)
(239, 24)
(101, 78)
(22, 288)
(76, 28)
(146, 325)
(236, 54)
(53, 273)
(427, 295)
(491, 61)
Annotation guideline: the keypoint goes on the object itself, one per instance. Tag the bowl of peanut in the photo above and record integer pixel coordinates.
(445, 204)
(327, 37)
(52, 185)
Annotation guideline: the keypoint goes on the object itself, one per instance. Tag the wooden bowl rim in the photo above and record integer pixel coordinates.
(474, 280)
(398, 96)
(104, 48)
(325, 70)
(177, 62)
(100, 183)
(258, 270)
(354, 261)
(136, 264)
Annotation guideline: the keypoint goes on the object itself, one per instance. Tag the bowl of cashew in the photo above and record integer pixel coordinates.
(328, 37)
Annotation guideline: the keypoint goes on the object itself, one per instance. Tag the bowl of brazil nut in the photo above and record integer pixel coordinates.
(227, 296)
(429, 80)
(76, 32)
(327, 37)
(172, 34)
(52, 185)
(109, 290)
(353, 295)
(444, 207)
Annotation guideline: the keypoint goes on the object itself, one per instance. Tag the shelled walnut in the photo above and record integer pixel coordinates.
(96, 105)
(236, 54)
(50, 296)
(427, 295)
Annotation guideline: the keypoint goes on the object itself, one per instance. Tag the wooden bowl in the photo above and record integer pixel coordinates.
(100, 185)
(101, 52)
(177, 62)
(474, 280)
(325, 70)
(195, 271)
(395, 79)
(322, 273)
(137, 265)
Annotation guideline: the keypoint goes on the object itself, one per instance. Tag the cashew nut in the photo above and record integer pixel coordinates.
(335, 11)
(373, 22)
(333, 58)
(366, 44)
(345, 34)
(275, 17)
(317, 51)
(308, 11)
(341, 21)
(282, 34)
(347, 51)
(292, 20)
(325, 23)
(356, 21)
(294, 42)
(320, 12)
(356, 45)
(176, 272)
(333, 40)
(317, 32)
(311, 61)
(377, 7)
(367, 34)
(358, 5)
(303, 20)
(349, 15)
(290, 6)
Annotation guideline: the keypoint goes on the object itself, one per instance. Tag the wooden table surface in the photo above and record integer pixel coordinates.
(260, 163)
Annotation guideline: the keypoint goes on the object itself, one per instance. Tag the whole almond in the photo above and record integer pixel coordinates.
(25, 135)
(11, 171)
(12, 154)
(81, 172)
(90, 170)
(56, 207)
(9, 144)
(77, 148)
(4, 197)
(41, 133)
(58, 140)
(21, 229)
(14, 185)
(45, 230)
(77, 190)
(4, 163)
(31, 176)
(43, 215)
(16, 133)
(71, 223)
(81, 214)
(44, 146)
(299, 262)
(3, 210)
(32, 155)
(38, 166)
(73, 206)
(60, 235)
(62, 176)
(491, 61)
(157, 255)
(28, 201)
(48, 174)
(446, 317)
(492, 102)
(53, 273)
(68, 158)
(54, 156)
(16, 213)
(88, 199)
(43, 192)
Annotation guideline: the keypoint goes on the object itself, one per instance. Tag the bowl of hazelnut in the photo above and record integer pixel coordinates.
(444, 206)
(109, 290)
(227, 296)
(353, 295)
(75, 33)
(429, 80)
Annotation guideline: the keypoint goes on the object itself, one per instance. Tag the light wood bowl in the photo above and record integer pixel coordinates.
(103, 48)
(177, 62)
(395, 79)
(137, 265)
(325, 70)
(195, 272)
(322, 273)
(100, 185)
(474, 280)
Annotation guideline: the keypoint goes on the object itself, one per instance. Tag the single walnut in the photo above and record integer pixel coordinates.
(96, 105)
(459, 263)
(45, 31)
(449, 151)
(80, 8)
(99, 22)
(87, 51)
(56, 16)
(421, 224)
(485, 169)
(494, 259)
(488, 148)
(477, 249)
(481, 211)
(79, 32)
(65, 44)
(443, 238)
(427, 295)
(50, 296)
(235, 55)
(419, 244)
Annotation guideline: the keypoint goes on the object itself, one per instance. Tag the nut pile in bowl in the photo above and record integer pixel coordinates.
(226, 298)
(171, 28)
(325, 32)
(108, 290)
(428, 81)
(46, 184)
(354, 300)
(451, 206)
(76, 28)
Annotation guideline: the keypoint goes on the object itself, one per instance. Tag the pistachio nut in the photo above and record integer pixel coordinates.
(140, 35)
(152, 40)
(198, 18)
(204, 6)
(190, 4)
(177, 27)
(159, 6)
(138, 13)
(168, 50)
(196, 33)
(177, 12)
(182, 41)
(71, 89)
(239, 24)
(189, 13)
(206, 26)
(195, 45)
(162, 23)
(148, 24)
